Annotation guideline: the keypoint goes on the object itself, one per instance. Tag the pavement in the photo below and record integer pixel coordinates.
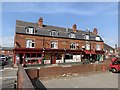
(98, 80)
(8, 75)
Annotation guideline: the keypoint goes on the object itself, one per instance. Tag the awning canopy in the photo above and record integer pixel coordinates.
(89, 52)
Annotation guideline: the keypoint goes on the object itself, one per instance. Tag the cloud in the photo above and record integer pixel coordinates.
(64, 7)
(8, 41)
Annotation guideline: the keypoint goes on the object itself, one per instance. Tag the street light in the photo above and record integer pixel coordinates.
(89, 43)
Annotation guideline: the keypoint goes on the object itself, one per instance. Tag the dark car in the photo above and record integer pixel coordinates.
(3, 61)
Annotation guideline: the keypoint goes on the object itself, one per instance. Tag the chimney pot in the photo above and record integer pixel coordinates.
(95, 31)
(74, 28)
(40, 22)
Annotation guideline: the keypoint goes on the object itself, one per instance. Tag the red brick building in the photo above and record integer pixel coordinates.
(36, 41)
(6, 51)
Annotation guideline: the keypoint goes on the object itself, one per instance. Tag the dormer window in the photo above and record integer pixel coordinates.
(72, 35)
(54, 33)
(97, 38)
(30, 30)
(86, 37)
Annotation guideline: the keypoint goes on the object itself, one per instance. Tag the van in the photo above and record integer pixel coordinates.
(114, 65)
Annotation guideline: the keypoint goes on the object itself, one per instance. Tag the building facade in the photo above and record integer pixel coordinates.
(109, 51)
(6, 51)
(37, 42)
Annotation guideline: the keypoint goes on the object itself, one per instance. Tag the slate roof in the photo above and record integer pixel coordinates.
(6, 48)
(106, 46)
(45, 31)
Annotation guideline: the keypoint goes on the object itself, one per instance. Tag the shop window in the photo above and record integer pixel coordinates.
(72, 35)
(68, 56)
(72, 45)
(54, 44)
(30, 44)
(54, 33)
(98, 47)
(30, 30)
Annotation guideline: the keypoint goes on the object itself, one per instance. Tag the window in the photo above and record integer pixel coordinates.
(72, 35)
(97, 38)
(87, 46)
(30, 44)
(98, 47)
(72, 46)
(111, 51)
(30, 30)
(54, 44)
(86, 37)
(54, 33)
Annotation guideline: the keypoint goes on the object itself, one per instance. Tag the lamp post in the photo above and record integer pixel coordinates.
(90, 46)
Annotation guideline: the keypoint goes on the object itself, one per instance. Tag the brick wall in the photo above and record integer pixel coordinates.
(60, 70)
(23, 81)
(62, 43)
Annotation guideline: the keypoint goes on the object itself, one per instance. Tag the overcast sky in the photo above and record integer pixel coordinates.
(100, 15)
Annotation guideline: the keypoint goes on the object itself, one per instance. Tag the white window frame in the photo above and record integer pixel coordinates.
(55, 44)
(53, 33)
(111, 51)
(72, 45)
(29, 43)
(97, 38)
(87, 46)
(30, 30)
(72, 35)
(87, 37)
(98, 47)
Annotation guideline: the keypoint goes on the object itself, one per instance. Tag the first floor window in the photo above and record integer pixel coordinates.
(72, 46)
(87, 46)
(111, 51)
(98, 47)
(54, 44)
(30, 44)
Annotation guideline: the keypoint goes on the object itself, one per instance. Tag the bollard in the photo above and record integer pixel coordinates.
(103, 68)
(15, 84)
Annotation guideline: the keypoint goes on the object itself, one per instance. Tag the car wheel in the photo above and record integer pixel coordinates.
(114, 70)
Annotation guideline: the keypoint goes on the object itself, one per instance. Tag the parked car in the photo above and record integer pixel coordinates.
(115, 65)
(3, 61)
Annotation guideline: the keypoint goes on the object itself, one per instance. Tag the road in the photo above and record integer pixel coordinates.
(100, 80)
(8, 77)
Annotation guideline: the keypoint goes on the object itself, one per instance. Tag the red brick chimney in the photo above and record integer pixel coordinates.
(74, 28)
(40, 22)
(95, 32)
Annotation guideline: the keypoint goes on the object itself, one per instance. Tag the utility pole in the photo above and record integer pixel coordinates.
(90, 45)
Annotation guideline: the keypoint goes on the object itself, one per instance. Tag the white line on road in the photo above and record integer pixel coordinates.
(8, 77)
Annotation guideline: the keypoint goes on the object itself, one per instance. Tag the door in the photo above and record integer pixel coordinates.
(118, 65)
(53, 58)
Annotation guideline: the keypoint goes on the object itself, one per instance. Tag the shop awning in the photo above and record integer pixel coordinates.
(89, 52)
(99, 52)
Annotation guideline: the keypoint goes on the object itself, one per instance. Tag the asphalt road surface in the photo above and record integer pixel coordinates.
(100, 80)
(7, 77)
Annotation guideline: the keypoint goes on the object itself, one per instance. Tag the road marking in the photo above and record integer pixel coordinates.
(8, 77)
(1, 70)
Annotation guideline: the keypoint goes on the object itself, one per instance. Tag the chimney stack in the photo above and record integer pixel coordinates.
(40, 22)
(95, 32)
(74, 28)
